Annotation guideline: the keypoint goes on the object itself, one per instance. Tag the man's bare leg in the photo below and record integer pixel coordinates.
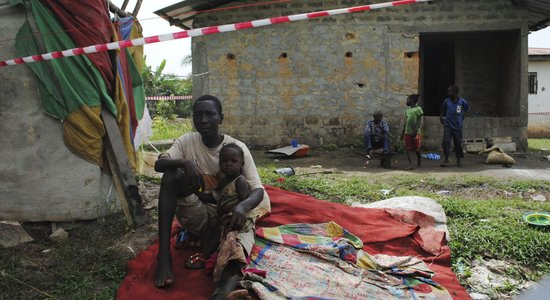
(170, 189)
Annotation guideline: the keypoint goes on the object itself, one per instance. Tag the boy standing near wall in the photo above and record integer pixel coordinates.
(453, 112)
(413, 118)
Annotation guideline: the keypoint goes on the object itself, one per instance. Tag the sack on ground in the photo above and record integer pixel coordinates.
(497, 156)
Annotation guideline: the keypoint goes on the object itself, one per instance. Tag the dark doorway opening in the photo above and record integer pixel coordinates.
(486, 66)
(438, 66)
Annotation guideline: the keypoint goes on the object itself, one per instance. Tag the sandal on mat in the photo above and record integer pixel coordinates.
(195, 262)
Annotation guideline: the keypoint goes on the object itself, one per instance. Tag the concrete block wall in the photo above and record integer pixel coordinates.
(485, 63)
(299, 80)
(477, 127)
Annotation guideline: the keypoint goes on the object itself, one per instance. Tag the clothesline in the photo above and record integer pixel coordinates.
(157, 98)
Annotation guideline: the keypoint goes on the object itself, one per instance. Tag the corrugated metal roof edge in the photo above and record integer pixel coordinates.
(536, 9)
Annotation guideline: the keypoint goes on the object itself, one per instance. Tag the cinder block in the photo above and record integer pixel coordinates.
(474, 145)
(507, 147)
(501, 140)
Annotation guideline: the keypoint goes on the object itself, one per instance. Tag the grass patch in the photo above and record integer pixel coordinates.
(495, 229)
(484, 214)
(540, 146)
(166, 129)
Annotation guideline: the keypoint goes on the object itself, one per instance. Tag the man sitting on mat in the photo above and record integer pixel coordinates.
(190, 167)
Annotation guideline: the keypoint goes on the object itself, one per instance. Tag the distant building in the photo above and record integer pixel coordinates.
(319, 80)
(539, 92)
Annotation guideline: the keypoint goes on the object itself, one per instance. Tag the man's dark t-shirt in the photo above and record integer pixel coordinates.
(454, 112)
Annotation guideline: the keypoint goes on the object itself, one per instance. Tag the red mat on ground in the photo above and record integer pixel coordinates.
(383, 231)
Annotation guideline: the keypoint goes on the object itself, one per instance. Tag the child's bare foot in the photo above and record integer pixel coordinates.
(234, 295)
(164, 276)
(410, 168)
(445, 163)
(224, 288)
(239, 295)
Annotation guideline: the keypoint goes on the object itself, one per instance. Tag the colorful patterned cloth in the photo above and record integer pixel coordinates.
(75, 89)
(322, 261)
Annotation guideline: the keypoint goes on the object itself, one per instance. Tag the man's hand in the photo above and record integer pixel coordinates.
(239, 217)
(442, 120)
(193, 176)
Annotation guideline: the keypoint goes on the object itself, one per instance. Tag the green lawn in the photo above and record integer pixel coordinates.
(166, 129)
(539, 145)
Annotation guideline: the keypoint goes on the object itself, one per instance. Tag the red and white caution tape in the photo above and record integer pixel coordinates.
(169, 98)
(200, 31)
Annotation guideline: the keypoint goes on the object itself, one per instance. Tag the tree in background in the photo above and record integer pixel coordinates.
(158, 84)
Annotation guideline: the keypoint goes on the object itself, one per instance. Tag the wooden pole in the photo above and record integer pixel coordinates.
(124, 4)
(137, 8)
(120, 12)
(123, 174)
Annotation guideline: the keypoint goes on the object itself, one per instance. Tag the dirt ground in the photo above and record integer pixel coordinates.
(528, 166)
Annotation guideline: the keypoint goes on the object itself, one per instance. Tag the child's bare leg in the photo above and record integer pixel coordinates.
(409, 159)
(210, 241)
(418, 159)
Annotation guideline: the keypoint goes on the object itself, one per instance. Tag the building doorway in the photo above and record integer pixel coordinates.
(438, 66)
(486, 65)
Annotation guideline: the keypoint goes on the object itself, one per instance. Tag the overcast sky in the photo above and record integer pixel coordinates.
(175, 51)
(172, 51)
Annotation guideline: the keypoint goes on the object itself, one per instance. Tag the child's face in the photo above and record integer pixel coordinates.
(230, 162)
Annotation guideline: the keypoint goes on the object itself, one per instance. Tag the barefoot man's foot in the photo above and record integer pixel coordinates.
(164, 275)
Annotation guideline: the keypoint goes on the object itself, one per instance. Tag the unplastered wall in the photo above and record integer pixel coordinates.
(488, 71)
(320, 80)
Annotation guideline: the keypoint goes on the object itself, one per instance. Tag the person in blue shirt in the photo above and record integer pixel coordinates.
(377, 134)
(453, 112)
